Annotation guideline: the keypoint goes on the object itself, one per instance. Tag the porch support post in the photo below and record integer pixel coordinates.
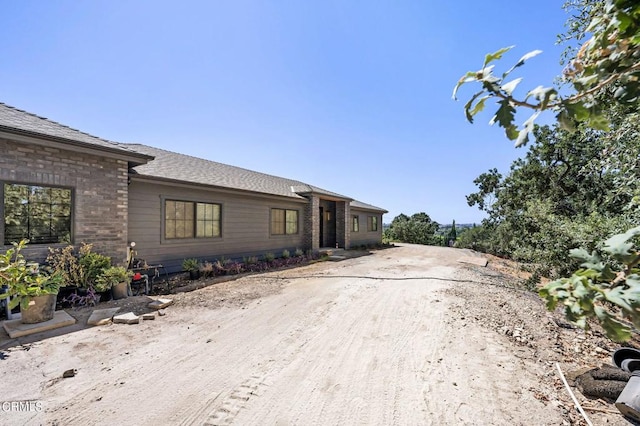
(312, 224)
(343, 228)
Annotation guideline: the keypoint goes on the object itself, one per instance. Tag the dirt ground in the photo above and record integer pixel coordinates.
(406, 335)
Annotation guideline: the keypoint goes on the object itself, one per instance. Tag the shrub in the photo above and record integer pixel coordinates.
(269, 257)
(190, 264)
(111, 276)
(299, 252)
(207, 269)
(286, 254)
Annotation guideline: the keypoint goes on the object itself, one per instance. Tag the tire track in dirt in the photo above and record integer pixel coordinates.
(343, 350)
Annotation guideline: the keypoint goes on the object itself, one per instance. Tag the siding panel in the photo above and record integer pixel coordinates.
(245, 225)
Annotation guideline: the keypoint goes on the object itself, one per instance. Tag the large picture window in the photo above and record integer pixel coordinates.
(40, 214)
(284, 222)
(188, 219)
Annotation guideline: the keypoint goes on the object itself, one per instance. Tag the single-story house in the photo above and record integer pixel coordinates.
(61, 186)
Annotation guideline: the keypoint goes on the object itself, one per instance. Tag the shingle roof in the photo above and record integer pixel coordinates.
(365, 206)
(184, 168)
(166, 165)
(15, 120)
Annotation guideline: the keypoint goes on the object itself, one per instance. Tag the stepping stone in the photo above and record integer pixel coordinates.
(480, 261)
(160, 303)
(128, 318)
(150, 316)
(15, 328)
(102, 316)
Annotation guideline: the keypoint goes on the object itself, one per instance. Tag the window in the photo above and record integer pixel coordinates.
(187, 219)
(284, 222)
(355, 223)
(40, 214)
(373, 223)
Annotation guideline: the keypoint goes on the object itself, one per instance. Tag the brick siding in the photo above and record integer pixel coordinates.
(100, 193)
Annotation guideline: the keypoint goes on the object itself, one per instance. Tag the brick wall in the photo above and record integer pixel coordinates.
(343, 224)
(311, 224)
(100, 193)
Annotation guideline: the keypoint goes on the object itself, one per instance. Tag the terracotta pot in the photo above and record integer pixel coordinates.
(41, 309)
(120, 290)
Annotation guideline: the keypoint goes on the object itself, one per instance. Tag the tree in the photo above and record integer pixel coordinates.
(417, 229)
(605, 70)
(452, 236)
(603, 75)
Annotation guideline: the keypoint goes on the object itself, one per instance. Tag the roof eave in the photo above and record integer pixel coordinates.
(20, 135)
(151, 178)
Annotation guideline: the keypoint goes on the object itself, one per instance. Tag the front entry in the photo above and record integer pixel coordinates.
(327, 224)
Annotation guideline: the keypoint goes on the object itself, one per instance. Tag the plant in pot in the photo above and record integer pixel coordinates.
(192, 266)
(80, 270)
(115, 278)
(28, 286)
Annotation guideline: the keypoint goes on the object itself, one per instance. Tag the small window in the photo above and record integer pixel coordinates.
(186, 219)
(355, 223)
(373, 223)
(284, 222)
(40, 214)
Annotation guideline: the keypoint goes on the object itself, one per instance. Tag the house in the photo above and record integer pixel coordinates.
(59, 185)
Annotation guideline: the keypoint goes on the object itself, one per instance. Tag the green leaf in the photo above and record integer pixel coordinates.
(589, 260)
(566, 121)
(480, 105)
(615, 330)
(577, 111)
(522, 60)
(505, 115)
(467, 107)
(509, 87)
(490, 57)
(619, 297)
(619, 247)
(598, 121)
(467, 78)
(523, 135)
(544, 95)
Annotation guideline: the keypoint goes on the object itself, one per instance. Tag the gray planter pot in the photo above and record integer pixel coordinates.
(41, 309)
(120, 291)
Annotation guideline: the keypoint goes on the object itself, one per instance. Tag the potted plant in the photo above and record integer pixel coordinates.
(28, 286)
(192, 266)
(116, 279)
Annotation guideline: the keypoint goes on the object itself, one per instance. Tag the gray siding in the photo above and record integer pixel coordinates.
(245, 224)
(364, 236)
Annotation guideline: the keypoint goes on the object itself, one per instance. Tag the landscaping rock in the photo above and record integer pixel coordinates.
(102, 316)
(150, 316)
(128, 318)
(160, 303)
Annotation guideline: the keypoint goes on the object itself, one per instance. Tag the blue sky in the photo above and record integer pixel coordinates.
(353, 97)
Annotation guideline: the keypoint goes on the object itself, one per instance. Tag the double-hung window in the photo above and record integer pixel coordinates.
(41, 214)
(355, 223)
(188, 219)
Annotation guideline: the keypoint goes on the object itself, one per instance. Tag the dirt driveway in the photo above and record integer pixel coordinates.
(395, 338)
